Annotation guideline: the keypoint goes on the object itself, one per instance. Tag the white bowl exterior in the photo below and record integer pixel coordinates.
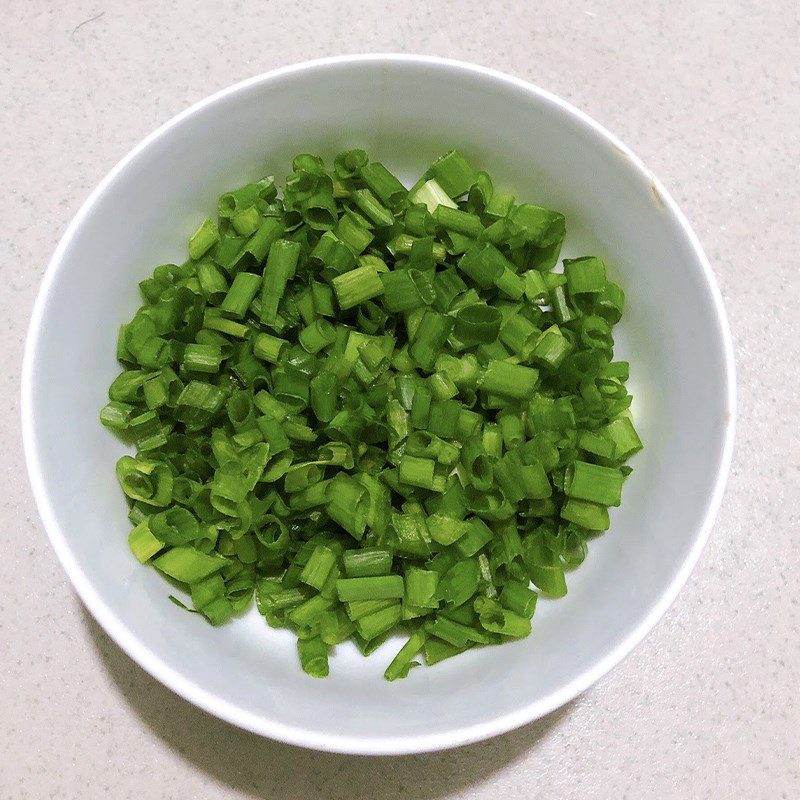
(404, 111)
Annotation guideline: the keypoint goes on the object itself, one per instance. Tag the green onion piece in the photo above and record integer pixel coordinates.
(431, 195)
(212, 282)
(207, 590)
(446, 530)
(148, 481)
(291, 388)
(593, 482)
(322, 296)
(437, 650)
(585, 275)
(544, 566)
(367, 562)
(460, 582)
(421, 587)
(348, 503)
(418, 472)
(476, 324)
(333, 253)
(216, 322)
(404, 660)
(455, 633)
(317, 336)
(203, 239)
(561, 306)
(379, 622)
(310, 611)
(588, 515)
(509, 380)
(202, 358)
(453, 173)
(381, 587)
(406, 289)
(188, 565)
(260, 243)
(350, 231)
(280, 267)
(519, 598)
(624, 437)
(362, 608)
(357, 286)
(457, 221)
(144, 545)
(477, 535)
(348, 163)
(318, 567)
(246, 221)
(496, 619)
(366, 201)
(243, 289)
(429, 339)
(509, 283)
(482, 264)
(411, 536)
(535, 287)
(268, 347)
(499, 205)
(323, 396)
(313, 655)
(387, 188)
(540, 226)
(442, 386)
(418, 221)
(481, 191)
(551, 348)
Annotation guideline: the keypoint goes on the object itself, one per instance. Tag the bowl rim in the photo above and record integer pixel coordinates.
(256, 723)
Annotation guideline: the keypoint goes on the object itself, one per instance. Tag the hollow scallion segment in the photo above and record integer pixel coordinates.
(280, 268)
(357, 286)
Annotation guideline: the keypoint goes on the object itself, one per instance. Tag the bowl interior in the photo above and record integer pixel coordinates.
(405, 113)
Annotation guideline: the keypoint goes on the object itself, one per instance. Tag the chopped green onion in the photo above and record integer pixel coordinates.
(373, 407)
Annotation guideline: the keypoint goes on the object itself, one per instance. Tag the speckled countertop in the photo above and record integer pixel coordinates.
(708, 94)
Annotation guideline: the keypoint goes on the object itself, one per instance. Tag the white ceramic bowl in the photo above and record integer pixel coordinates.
(404, 110)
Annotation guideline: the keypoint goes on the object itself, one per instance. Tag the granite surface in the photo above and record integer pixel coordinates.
(708, 94)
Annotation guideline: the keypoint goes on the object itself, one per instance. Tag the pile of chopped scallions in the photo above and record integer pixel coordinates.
(375, 409)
